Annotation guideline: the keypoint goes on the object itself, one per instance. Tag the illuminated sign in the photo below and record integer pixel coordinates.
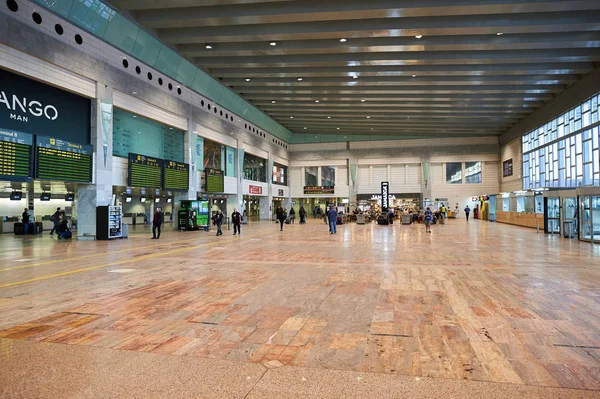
(15, 155)
(319, 189)
(385, 199)
(62, 160)
(144, 171)
(254, 189)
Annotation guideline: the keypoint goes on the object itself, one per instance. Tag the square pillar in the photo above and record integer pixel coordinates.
(100, 192)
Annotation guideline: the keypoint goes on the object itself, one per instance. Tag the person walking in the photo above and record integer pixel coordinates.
(25, 216)
(444, 211)
(428, 218)
(219, 222)
(467, 212)
(56, 219)
(292, 215)
(281, 217)
(236, 219)
(157, 222)
(332, 216)
(302, 213)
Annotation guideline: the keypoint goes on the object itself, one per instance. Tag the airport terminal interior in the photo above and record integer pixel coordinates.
(299, 199)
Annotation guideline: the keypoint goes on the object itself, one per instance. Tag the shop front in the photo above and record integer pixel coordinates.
(559, 206)
(404, 201)
(256, 201)
(521, 208)
(45, 153)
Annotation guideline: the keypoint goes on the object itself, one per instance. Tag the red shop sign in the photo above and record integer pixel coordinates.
(255, 189)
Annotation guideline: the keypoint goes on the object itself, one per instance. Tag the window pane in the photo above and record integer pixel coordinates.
(473, 172)
(279, 174)
(310, 175)
(255, 168)
(327, 176)
(454, 173)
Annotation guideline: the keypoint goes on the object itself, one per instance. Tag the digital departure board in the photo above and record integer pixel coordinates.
(144, 171)
(62, 160)
(175, 175)
(15, 155)
(215, 182)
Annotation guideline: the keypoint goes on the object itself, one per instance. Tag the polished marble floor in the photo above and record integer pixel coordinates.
(473, 301)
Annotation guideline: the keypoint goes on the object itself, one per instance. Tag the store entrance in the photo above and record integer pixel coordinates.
(552, 215)
(251, 208)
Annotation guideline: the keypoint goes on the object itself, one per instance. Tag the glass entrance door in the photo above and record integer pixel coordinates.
(553, 216)
(570, 211)
(595, 219)
(586, 218)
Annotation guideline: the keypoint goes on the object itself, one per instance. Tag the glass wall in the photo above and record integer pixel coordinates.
(565, 151)
(454, 173)
(213, 155)
(327, 176)
(134, 133)
(310, 175)
(255, 168)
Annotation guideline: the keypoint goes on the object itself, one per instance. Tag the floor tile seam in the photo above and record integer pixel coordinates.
(310, 316)
(109, 252)
(257, 381)
(461, 380)
(91, 268)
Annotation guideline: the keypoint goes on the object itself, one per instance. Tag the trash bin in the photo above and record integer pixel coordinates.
(569, 229)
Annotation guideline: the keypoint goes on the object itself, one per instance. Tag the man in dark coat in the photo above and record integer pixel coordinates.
(281, 217)
(157, 222)
(236, 219)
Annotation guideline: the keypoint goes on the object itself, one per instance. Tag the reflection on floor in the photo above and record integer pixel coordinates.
(472, 301)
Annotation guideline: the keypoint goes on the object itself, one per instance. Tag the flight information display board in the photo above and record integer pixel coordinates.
(144, 171)
(16, 150)
(215, 182)
(176, 175)
(62, 160)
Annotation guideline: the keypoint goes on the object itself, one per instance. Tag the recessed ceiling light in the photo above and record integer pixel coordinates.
(317, 101)
(362, 101)
(355, 77)
(291, 117)
(208, 47)
(300, 79)
(343, 40)
(135, 92)
(414, 76)
(135, 116)
(418, 36)
(248, 79)
(337, 128)
(408, 117)
(304, 127)
(171, 128)
(329, 117)
(368, 117)
(499, 33)
(273, 44)
(273, 101)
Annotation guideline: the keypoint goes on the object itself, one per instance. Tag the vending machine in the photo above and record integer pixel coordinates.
(109, 222)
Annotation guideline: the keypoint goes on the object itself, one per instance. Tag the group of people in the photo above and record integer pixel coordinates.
(428, 216)
(61, 225)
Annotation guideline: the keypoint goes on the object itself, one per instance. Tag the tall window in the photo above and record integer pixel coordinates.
(279, 174)
(310, 175)
(473, 172)
(328, 176)
(454, 173)
(564, 152)
(255, 168)
(213, 155)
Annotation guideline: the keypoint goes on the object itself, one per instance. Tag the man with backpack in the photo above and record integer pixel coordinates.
(55, 218)
(467, 212)
(428, 218)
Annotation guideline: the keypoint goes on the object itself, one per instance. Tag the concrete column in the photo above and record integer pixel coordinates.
(266, 203)
(353, 182)
(426, 177)
(240, 176)
(189, 157)
(89, 196)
